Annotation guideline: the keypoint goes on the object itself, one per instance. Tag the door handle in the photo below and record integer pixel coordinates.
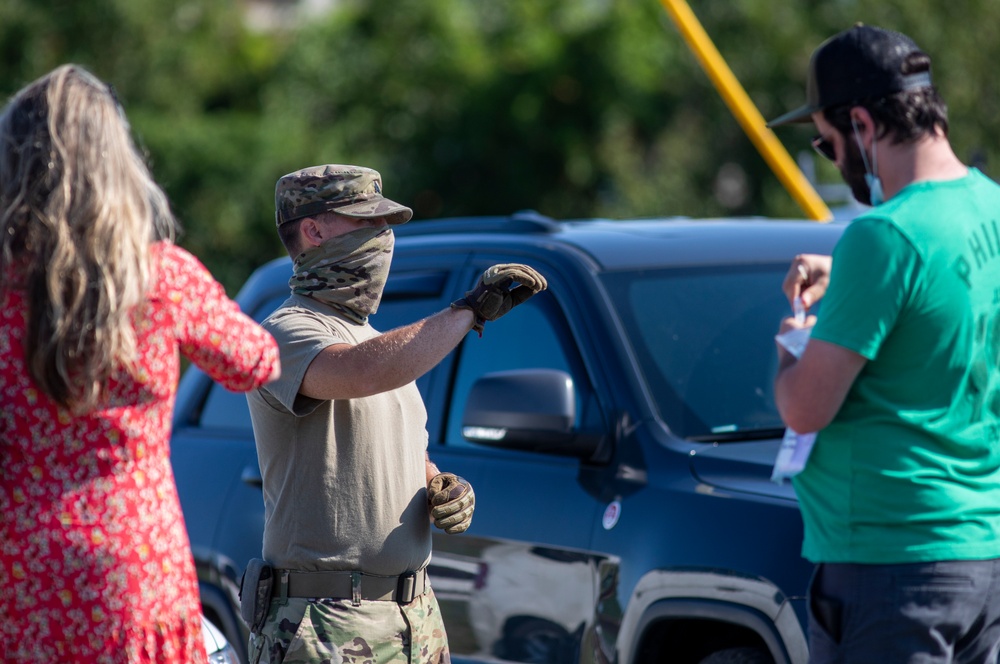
(251, 476)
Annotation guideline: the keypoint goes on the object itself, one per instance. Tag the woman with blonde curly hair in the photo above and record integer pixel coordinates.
(96, 304)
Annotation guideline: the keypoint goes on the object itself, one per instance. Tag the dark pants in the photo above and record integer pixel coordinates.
(938, 612)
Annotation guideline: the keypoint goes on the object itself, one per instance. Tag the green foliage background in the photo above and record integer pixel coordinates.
(574, 108)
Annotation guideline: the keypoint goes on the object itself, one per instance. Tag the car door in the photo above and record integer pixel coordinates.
(519, 585)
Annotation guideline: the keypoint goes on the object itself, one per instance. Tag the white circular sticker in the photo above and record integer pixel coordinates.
(611, 514)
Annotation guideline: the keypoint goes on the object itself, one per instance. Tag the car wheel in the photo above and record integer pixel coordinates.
(534, 641)
(217, 609)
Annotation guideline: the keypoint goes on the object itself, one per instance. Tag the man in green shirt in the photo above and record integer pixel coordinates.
(901, 377)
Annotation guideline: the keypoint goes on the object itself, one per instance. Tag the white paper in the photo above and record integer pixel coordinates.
(795, 340)
(792, 455)
(799, 309)
(795, 447)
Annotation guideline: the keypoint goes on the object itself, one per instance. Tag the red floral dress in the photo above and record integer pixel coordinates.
(95, 563)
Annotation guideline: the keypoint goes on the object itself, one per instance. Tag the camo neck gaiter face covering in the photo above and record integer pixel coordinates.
(347, 272)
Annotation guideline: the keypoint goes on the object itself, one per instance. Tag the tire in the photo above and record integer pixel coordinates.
(217, 609)
(534, 641)
(738, 656)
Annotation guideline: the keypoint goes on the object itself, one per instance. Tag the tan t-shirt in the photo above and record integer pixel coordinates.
(344, 481)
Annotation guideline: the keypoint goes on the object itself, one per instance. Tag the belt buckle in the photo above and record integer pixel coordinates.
(356, 588)
(406, 587)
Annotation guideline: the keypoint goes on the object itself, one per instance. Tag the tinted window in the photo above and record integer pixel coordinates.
(705, 341)
(228, 410)
(530, 337)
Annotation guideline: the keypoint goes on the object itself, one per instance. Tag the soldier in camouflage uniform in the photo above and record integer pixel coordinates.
(342, 438)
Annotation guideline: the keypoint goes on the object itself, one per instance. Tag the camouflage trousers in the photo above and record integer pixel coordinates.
(331, 631)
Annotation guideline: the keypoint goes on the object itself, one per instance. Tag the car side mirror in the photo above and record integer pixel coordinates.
(532, 410)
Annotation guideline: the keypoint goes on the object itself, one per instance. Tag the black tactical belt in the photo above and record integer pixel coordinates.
(355, 586)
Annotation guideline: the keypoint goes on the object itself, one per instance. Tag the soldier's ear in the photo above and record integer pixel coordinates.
(311, 232)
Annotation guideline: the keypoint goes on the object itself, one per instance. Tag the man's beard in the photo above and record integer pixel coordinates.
(853, 171)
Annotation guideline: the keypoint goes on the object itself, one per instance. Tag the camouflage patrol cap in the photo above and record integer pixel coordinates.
(353, 191)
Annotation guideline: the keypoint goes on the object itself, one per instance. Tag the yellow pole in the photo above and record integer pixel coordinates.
(746, 112)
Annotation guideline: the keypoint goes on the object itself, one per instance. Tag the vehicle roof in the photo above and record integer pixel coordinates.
(637, 243)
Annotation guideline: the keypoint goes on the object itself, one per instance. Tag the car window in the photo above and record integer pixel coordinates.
(704, 339)
(532, 336)
(407, 298)
(228, 410)
(395, 312)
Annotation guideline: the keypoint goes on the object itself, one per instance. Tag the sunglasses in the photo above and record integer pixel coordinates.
(824, 147)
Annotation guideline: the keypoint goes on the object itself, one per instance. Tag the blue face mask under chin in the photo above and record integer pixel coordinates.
(874, 182)
(874, 189)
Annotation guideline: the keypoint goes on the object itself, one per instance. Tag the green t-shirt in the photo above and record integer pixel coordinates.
(909, 469)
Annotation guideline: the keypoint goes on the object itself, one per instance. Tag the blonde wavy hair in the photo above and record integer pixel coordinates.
(79, 210)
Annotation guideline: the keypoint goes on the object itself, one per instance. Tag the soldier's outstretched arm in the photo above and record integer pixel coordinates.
(402, 355)
(388, 361)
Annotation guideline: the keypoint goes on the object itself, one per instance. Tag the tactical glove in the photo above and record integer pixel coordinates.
(493, 296)
(452, 502)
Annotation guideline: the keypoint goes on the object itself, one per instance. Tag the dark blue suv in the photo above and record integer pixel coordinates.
(619, 430)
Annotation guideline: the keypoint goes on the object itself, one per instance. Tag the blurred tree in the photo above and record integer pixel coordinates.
(480, 108)
(189, 76)
(576, 109)
(592, 108)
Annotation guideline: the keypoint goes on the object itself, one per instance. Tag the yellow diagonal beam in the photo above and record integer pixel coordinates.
(746, 112)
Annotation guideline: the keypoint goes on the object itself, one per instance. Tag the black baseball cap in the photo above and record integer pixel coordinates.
(861, 63)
